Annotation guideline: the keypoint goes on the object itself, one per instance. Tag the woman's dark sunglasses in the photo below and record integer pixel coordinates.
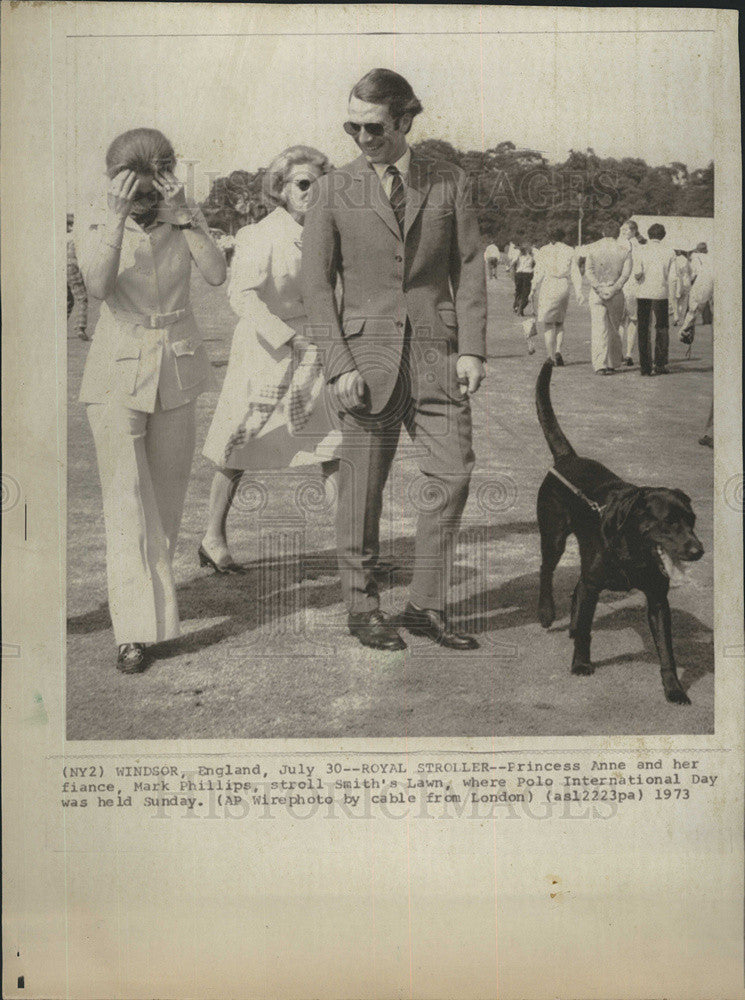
(304, 184)
(375, 129)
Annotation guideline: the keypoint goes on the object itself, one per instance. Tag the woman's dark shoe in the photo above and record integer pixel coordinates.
(131, 658)
(372, 629)
(433, 625)
(230, 567)
(629, 362)
(707, 441)
(559, 362)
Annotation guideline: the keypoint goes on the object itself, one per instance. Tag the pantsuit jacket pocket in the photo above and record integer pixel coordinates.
(192, 365)
(127, 366)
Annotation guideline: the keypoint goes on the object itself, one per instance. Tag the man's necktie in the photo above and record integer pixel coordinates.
(398, 196)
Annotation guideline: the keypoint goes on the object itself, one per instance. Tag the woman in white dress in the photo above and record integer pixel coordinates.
(556, 267)
(272, 412)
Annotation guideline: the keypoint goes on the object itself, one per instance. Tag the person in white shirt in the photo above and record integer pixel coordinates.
(627, 330)
(702, 264)
(524, 267)
(700, 297)
(556, 266)
(513, 252)
(652, 274)
(697, 257)
(680, 285)
(492, 256)
(607, 268)
(146, 367)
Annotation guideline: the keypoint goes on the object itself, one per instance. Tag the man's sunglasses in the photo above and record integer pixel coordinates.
(375, 129)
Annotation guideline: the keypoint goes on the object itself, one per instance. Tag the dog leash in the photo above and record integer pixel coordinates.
(598, 510)
(578, 493)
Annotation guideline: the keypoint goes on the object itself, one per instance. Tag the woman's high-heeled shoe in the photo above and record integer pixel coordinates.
(206, 560)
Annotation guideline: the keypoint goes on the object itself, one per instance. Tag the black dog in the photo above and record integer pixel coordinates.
(630, 537)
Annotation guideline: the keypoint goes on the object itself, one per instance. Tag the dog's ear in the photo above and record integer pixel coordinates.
(682, 496)
(619, 510)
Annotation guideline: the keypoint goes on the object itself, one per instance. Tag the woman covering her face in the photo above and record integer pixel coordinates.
(144, 371)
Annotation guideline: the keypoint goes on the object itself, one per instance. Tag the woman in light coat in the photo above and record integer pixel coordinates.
(272, 412)
(556, 267)
(145, 368)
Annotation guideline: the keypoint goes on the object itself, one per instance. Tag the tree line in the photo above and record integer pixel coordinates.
(519, 195)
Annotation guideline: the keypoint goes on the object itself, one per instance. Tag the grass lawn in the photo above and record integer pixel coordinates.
(268, 654)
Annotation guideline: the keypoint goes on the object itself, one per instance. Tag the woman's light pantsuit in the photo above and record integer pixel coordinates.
(146, 367)
(144, 461)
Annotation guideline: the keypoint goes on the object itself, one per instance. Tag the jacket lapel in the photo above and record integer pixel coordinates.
(372, 193)
(417, 189)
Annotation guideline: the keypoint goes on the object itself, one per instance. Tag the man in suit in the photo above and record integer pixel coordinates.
(406, 347)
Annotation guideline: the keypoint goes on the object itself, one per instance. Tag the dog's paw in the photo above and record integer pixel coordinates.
(546, 615)
(583, 668)
(677, 695)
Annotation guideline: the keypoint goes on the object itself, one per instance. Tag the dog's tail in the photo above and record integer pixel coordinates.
(557, 442)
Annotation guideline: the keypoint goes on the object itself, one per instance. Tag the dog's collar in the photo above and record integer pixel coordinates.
(578, 493)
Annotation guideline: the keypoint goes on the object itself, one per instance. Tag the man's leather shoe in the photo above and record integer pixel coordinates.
(371, 628)
(432, 624)
(131, 658)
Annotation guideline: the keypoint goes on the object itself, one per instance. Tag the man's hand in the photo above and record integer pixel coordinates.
(299, 343)
(349, 390)
(471, 373)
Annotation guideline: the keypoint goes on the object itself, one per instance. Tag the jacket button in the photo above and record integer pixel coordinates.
(399, 324)
(399, 258)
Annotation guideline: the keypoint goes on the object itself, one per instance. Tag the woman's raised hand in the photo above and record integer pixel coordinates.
(122, 191)
(171, 188)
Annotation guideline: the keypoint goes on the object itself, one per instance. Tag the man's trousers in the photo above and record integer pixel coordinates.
(438, 420)
(645, 309)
